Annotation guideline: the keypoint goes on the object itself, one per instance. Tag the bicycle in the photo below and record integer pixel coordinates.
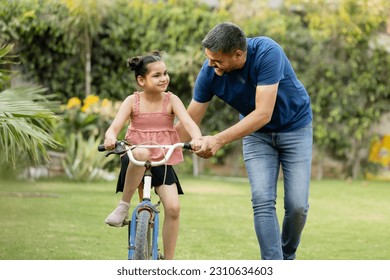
(143, 231)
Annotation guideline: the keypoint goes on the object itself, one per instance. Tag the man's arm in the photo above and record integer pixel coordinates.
(265, 103)
(197, 111)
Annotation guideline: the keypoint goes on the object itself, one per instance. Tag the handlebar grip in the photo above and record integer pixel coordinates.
(101, 148)
(187, 146)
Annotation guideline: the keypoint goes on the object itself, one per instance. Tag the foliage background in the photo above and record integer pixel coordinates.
(77, 48)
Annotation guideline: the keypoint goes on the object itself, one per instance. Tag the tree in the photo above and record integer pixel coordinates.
(330, 45)
(46, 49)
(347, 76)
(86, 16)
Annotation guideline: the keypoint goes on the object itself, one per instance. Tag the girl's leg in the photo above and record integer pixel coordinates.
(134, 176)
(170, 200)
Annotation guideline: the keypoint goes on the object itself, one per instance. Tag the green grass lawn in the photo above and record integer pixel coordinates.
(65, 220)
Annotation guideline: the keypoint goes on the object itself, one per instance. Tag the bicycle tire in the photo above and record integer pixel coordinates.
(143, 246)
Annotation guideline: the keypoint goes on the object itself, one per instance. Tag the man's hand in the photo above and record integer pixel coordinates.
(210, 146)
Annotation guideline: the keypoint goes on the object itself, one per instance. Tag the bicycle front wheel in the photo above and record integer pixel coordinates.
(143, 236)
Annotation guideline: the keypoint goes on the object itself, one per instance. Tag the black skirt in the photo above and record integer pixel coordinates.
(158, 174)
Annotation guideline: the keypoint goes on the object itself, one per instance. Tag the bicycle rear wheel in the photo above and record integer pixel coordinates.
(143, 246)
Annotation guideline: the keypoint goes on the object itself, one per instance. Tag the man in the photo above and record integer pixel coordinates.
(254, 76)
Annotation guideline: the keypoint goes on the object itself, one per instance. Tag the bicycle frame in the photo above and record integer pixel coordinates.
(146, 199)
(145, 203)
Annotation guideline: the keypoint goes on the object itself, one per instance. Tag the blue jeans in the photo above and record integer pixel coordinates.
(264, 153)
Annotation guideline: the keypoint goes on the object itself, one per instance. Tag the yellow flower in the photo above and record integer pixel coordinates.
(88, 101)
(106, 102)
(380, 151)
(386, 141)
(91, 99)
(73, 102)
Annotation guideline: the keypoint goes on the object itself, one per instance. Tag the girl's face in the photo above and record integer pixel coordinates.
(157, 78)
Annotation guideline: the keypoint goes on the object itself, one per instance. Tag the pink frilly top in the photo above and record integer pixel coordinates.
(154, 128)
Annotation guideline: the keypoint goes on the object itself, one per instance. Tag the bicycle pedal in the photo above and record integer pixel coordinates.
(126, 223)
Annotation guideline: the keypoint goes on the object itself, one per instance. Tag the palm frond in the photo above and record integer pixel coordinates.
(27, 102)
(5, 49)
(25, 116)
(17, 135)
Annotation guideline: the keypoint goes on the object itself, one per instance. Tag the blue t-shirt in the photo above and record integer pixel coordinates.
(266, 64)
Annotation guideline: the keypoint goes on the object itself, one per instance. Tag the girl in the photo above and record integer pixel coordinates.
(151, 113)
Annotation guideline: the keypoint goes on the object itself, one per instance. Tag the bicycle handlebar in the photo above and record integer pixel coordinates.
(122, 147)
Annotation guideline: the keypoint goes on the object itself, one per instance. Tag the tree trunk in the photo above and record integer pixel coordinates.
(88, 47)
(355, 168)
(195, 165)
(320, 169)
(354, 159)
(319, 158)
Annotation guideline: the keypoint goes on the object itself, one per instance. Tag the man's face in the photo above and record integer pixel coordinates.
(222, 62)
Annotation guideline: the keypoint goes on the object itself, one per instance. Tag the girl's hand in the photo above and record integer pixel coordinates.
(196, 144)
(109, 143)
